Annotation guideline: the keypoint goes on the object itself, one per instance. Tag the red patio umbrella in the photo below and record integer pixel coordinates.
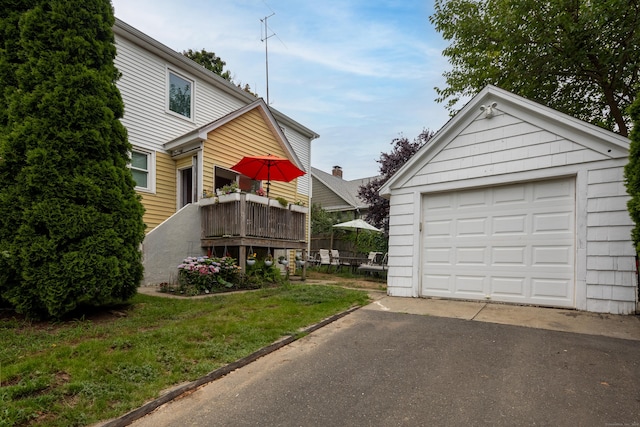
(268, 167)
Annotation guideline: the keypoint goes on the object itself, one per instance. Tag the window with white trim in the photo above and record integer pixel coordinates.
(180, 95)
(142, 169)
(224, 176)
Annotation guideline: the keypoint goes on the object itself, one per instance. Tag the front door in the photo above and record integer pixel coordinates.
(186, 186)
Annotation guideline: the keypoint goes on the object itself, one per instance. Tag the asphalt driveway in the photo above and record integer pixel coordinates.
(382, 368)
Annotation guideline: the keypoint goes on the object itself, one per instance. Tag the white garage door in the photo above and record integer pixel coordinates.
(513, 243)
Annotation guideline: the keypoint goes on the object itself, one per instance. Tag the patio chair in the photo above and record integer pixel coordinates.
(335, 259)
(374, 258)
(325, 258)
(375, 264)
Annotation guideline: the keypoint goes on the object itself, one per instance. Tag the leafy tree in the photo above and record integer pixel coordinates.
(390, 163)
(70, 220)
(632, 173)
(321, 221)
(210, 61)
(364, 241)
(580, 57)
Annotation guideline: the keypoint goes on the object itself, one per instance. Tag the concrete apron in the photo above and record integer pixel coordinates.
(555, 319)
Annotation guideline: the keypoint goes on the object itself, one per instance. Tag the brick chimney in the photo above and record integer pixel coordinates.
(337, 171)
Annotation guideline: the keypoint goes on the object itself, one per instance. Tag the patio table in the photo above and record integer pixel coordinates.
(352, 262)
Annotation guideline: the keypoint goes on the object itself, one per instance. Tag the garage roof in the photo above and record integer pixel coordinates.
(603, 141)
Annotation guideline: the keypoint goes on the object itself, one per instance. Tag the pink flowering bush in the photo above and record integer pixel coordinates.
(198, 275)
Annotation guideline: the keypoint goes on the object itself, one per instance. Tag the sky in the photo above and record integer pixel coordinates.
(357, 72)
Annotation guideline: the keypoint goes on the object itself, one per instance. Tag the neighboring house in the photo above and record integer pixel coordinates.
(188, 126)
(515, 202)
(335, 194)
(338, 196)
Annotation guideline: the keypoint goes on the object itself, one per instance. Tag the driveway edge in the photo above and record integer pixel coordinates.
(149, 407)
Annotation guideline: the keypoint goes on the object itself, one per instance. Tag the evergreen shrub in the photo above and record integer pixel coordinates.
(70, 221)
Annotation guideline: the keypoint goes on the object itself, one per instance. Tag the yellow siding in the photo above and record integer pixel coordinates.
(248, 135)
(162, 204)
(184, 162)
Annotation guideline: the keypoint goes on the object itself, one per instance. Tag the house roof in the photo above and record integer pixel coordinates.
(605, 142)
(345, 190)
(125, 30)
(193, 139)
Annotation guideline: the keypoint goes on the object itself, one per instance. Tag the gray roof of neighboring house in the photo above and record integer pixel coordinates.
(346, 190)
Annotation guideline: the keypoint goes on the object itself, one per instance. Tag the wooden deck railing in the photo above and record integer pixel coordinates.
(244, 218)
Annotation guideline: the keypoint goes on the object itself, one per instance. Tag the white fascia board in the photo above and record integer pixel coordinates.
(593, 137)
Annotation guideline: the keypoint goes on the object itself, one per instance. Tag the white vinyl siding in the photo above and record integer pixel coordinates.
(302, 147)
(402, 238)
(143, 86)
(610, 257)
(510, 145)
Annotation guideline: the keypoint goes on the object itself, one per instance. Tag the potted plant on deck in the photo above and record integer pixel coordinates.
(228, 193)
(283, 260)
(228, 189)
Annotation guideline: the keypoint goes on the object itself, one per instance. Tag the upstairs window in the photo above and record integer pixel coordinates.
(180, 95)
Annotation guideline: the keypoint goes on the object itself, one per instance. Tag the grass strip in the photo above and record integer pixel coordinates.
(83, 371)
(219, 373)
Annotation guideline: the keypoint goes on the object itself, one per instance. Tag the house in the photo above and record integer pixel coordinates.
(188, 127)
(335, 194)
(515, 202)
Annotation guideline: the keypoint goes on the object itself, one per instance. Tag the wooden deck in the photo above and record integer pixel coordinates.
(246, 220)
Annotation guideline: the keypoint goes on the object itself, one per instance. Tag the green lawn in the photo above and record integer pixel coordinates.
(102, 366)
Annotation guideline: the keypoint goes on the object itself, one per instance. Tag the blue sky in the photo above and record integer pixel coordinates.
(358, 72)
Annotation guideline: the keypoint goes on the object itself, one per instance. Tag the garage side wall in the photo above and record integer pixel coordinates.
(403, 260)
(611, 281)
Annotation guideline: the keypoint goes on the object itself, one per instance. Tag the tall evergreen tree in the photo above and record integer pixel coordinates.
(10, 159)
(70, 220)
(9, 49)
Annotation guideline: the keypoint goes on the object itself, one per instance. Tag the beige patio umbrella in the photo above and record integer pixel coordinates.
(357, 225)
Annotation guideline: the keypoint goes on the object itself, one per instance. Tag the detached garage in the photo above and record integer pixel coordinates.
(514, 202)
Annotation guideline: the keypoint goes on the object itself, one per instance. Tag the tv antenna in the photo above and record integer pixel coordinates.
(265, 38)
